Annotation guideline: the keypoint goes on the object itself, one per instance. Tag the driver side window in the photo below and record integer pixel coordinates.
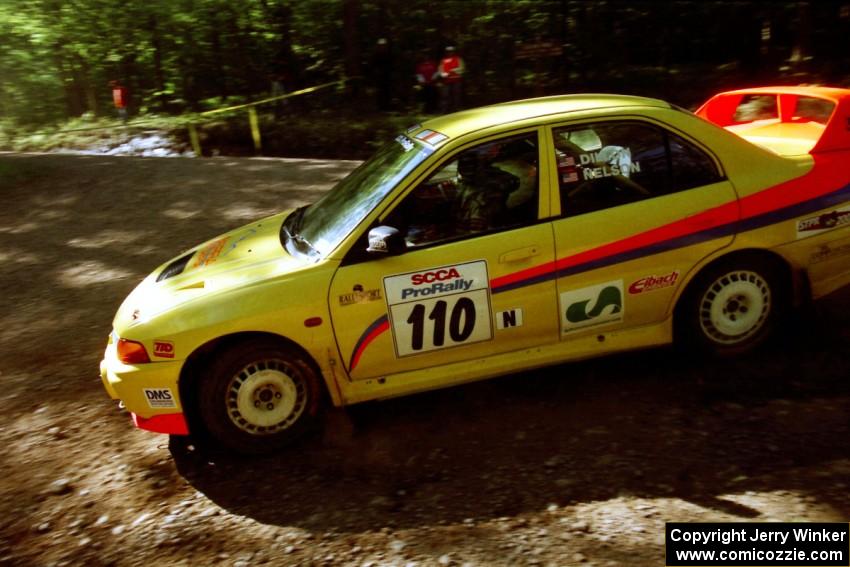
(487, 188)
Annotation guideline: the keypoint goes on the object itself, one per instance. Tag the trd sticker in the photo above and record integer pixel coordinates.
(163, 349)
(439, 307)
(359, 296)
(509, 319)
(823, 222)
(209, 253)
(651, 283)
(160, 398)
(592, 306)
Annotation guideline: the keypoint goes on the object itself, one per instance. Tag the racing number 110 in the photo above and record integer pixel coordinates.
(461, 322)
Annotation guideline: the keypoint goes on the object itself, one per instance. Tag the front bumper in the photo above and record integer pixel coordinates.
(170, 423)
(148, 391)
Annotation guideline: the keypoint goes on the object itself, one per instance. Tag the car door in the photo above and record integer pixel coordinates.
(640, 205)
(461, 289)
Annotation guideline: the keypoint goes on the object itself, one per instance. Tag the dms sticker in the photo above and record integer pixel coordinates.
(163, 349)
(823, 222)
(439, 307)
(160, 398)
(592, 306)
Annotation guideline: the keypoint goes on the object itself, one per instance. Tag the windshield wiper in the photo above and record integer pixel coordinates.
(292, 226)
(293, 221)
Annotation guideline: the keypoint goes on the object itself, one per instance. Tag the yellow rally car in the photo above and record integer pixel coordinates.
(495, 240)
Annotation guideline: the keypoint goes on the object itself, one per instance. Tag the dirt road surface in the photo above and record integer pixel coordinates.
(580, 464)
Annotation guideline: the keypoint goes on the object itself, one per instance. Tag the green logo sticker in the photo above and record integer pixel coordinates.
(592, 306)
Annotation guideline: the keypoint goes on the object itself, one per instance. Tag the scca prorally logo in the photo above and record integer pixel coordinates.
(436, 275)
(651, 283)
(592, 306)
(441, 281)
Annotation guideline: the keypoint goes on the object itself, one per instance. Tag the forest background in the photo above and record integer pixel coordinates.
(177, 58)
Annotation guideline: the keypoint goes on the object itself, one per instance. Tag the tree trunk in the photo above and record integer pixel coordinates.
(800, 53)
(218, 57)
(72, 100)
(159, 75)
(351, 39)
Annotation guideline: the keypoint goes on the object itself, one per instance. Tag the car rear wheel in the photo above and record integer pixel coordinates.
(259, 396)
(735, 306)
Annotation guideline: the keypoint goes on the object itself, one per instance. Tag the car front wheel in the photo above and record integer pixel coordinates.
(259, 396)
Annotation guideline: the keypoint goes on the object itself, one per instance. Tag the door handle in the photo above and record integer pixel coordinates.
(519, 254)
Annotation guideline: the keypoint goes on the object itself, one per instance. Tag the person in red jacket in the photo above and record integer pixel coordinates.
(426, 81)
(450, 72)
(119, 98)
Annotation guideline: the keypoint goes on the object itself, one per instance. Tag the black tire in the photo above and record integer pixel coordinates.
(733, 306)
(258, 396)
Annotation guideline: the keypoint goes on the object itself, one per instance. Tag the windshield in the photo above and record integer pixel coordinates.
(330, 219)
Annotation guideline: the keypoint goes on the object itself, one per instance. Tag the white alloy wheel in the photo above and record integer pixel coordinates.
(265, 397)
(735, 307)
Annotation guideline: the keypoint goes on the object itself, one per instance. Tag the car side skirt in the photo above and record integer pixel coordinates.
(463, 372)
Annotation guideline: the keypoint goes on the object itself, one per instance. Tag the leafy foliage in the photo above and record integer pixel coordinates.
(58, 57)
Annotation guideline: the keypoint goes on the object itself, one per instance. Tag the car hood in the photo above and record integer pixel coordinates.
(240, 257)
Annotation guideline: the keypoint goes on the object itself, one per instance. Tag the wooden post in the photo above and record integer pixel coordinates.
(195, 141)
(255, 129)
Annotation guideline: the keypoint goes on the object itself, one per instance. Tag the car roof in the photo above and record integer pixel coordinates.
(466, 121)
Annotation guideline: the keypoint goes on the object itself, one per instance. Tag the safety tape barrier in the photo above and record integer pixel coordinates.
(273, 98)
(197, 118)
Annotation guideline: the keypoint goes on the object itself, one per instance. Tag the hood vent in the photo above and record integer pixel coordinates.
(175, 268)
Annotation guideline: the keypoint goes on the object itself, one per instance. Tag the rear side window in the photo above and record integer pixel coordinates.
(615, 163)
(756, 107)
(690, 166)
(813, 109)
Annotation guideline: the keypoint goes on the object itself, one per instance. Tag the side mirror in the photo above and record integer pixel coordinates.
(386, 240)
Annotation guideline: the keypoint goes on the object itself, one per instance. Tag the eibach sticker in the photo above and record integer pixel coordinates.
(652, 283)
(823, 222)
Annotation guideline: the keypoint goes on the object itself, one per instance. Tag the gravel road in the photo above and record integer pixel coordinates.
(580, 464)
